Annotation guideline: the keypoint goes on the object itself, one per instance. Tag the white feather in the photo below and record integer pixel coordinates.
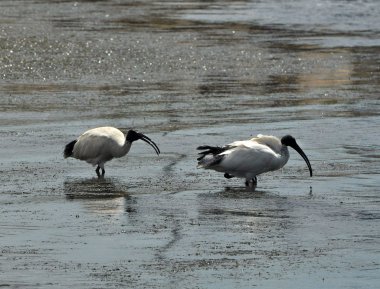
(249, 158)
(99, 145)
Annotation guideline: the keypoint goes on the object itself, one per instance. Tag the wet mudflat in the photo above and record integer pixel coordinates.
(188, 74)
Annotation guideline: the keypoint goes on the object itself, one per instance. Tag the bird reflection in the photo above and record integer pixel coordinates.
(240, 202)
(99, 195)
(93, 188)
(240, 193)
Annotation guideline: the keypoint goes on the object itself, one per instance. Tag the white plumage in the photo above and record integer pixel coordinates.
(249, 158)
(100, 145)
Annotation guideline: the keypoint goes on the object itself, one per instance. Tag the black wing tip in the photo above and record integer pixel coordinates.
(68, 152)
(209, 163)
(201, 157)
(206, 151)
(204, 147)
(209, 150)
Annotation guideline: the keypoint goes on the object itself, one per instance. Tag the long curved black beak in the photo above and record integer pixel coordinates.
(149, 141)
(295, 146)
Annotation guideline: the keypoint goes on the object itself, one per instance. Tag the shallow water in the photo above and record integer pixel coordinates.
(188, 74)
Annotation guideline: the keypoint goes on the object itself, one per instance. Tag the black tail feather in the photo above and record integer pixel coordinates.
(68, 152)
(209, 150)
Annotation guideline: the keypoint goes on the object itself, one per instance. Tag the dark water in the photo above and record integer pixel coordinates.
(189, 73)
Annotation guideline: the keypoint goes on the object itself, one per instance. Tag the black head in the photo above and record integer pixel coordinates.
(290, 141)
(134, 136)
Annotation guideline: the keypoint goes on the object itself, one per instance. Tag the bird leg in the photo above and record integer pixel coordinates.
(252, 183)
(228, 176)
(98, 173)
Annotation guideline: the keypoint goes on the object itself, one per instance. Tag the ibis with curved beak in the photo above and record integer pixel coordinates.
(100, 145)
(250, 158)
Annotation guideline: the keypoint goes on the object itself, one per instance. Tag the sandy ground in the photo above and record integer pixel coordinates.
(159, 222)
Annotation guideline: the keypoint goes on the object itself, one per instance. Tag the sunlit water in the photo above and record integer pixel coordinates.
(188, 74)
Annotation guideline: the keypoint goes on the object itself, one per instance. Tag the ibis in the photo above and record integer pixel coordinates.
(249, 158)
(100, 145)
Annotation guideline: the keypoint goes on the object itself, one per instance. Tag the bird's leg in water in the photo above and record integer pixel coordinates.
(228, 176)
(98, 173)
(252, 183)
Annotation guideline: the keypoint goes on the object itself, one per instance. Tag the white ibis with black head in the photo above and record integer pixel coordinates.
(100, 145)
(250, 158)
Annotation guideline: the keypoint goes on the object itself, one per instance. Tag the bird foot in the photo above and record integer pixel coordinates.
(98, 173)
(228, 176)
(252, 183)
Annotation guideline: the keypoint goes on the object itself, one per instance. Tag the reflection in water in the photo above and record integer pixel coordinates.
(240, 193)
(99, 195)
(238, 201)
(314, 70)
(320, 74)
(93, 188)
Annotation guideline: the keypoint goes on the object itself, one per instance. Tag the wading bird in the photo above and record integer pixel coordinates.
(100, 145)
(249, 158)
